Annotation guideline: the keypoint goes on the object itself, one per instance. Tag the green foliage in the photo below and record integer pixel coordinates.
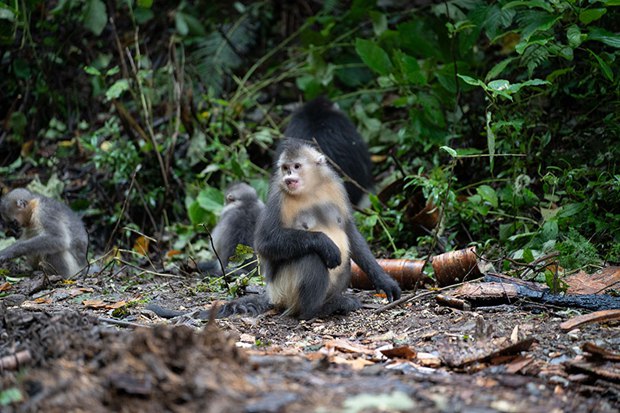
(576, 251)
(503, 115)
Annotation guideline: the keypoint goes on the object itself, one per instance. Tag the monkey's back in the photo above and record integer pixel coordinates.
(66, 226)
(338, 138)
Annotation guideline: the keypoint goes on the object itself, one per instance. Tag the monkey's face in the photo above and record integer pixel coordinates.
(300, 174)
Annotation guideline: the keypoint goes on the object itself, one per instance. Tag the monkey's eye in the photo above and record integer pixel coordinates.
(297, 166)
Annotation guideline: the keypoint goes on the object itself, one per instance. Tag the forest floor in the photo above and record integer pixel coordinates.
(59, 354)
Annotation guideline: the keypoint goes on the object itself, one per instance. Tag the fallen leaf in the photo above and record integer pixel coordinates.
(74, 292)
(597, 283)
(42, 300)
(428, 360)
(94, 303)
(116, 305)
(6, 287)
(172, 253)
(355, 364)
(403, 352)
(141, 246)
(347, 347)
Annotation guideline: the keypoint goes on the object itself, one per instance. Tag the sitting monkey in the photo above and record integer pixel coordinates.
(53, 236)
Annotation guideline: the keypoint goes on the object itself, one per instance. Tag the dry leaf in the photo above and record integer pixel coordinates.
(74, 292)
(94, 303)
(42, 300)
(172, 253)
(141, 246)
(6, 286)
(347, 347)
(428, 360)
(116, 305)
(355, 364)
(403, 352)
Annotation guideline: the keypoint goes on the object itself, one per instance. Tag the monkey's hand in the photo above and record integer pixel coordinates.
(327, 250)
(387, 284)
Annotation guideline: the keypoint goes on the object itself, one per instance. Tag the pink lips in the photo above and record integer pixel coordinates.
(292, 184)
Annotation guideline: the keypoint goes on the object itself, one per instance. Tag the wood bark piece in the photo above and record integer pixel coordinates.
(605, 372)
(456, 266)
(15, 361)
(596, 317)
(600, 352)
(407, 273)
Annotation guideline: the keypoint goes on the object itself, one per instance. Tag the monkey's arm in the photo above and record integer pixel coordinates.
(284, 244)
(40, 245)
(361, 254)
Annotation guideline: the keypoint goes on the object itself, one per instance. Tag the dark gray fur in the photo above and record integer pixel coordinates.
(61, 235)
(236, 226)
(337, 138)
(312, 254)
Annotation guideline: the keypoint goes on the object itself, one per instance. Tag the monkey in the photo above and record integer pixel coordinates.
(236, 226)
(53, 239)
(305, 239)
(322, 120)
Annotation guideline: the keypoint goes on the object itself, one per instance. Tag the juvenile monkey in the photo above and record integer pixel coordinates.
(338, 138)
(236, 226)
(304, 240)
(53, 236)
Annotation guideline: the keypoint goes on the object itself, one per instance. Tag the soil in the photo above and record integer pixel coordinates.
(89, 345)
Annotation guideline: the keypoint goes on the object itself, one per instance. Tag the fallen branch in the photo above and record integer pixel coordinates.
(597, 317)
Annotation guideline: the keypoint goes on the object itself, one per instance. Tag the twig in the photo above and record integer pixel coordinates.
(124, 208)
(225, 277)
(412, 297)
(159, 274)
(121, 323)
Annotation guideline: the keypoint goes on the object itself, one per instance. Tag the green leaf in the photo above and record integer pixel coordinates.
(95, 16)
(569, 210)
(450, 151)
(197, 215)
(373, 56)
(498, 68)
(603, 36)
(145, 4)
(181, 23)
(550, 230)
(574, 36)
(117, 89)
(488, 194)
(409, 68)
(490, 141)
(604, 66)
(590, 15)
(472, 81)
(10, 396)
(211, 199)
(379, 22)
(537, 21)
(541, 4)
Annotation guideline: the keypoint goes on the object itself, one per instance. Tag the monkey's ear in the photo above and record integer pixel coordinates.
(21, 203)
(320, 160)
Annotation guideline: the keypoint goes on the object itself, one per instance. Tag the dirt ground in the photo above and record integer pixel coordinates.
(59, 354)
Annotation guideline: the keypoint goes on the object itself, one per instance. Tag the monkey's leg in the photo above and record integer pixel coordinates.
(313, 285)
(250, 304)
(340, 304)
